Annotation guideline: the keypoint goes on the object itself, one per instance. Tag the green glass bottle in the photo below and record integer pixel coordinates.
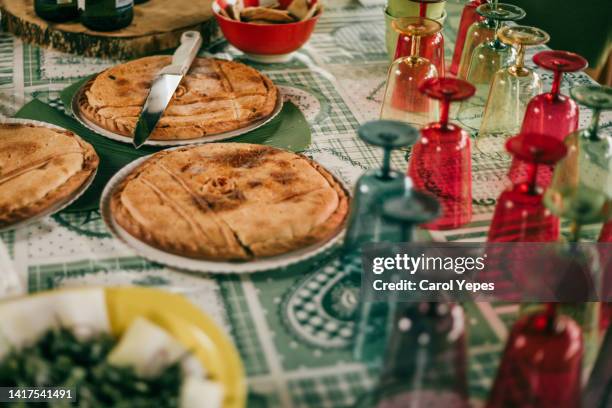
(107, 15)
(56, 10)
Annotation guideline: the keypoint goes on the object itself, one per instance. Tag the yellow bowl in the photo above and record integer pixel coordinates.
(192, 328)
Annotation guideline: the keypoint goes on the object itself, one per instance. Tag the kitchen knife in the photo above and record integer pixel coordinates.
(165, 84)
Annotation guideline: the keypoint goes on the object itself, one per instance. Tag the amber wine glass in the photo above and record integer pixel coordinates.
(402, 100)
(513, 87)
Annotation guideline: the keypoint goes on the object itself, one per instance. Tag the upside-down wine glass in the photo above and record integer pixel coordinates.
(440, 162)
(479, 32)
(367, 224)
(513, 87)
(541, 365)
(550, 113)
(469, 16)
(402, 100)
(430, 41)
(581, 191)
(581, 188)
(488, 58)
(520, 214)
(426, 360)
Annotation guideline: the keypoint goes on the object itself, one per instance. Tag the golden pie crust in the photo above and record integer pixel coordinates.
(215, 96)
(40, 167)
(229, 201)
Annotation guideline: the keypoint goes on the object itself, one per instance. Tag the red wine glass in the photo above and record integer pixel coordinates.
(469, 16)
(550, 113)
(440, 162)
(520, 215)
(541, 365)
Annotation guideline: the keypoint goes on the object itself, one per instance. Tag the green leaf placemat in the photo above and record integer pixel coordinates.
(289, 130)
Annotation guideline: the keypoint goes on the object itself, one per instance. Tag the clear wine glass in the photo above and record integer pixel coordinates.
(513, 87)
(581, 188)
(488, 58)
(367, 224)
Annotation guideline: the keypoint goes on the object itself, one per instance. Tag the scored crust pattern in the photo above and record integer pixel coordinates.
(39, 197)
(215, 96)
(229, 201)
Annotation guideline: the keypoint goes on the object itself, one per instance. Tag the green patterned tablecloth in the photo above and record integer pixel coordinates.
(292, 327)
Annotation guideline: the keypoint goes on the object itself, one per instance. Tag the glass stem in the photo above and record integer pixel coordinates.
(556, 85)
(407, 229)
(444, 108)
(496, 41)
(415, 46)
(422, 9)
(533, 177)
(551, 314)
(386, 164)
(575, 231)
(594, 125)
(519, 65)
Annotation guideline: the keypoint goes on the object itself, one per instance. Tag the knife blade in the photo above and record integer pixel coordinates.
(164, 86)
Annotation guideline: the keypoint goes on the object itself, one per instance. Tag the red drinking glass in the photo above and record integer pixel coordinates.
(520, 215)
(431, 46)
(550, 113)
(541, 365)
(468, 17)
(441, 159)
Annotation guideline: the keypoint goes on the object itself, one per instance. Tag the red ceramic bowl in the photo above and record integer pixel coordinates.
(265, 41)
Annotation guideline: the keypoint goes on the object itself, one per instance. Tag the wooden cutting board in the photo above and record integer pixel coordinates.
(157, 25)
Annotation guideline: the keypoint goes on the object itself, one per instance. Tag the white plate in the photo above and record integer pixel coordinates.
(60, 205)
(205, 139)
(198, 265)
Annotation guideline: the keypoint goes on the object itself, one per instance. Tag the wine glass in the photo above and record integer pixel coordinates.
(430, 40)
(488, 58)
(512, 87)
(469, 16)
(440, 162)
(581, 188)
(402, 100)
(550, 113)
(541, 365)
(481, 31)
(426, 359)
(368, 224)
(520, 215)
